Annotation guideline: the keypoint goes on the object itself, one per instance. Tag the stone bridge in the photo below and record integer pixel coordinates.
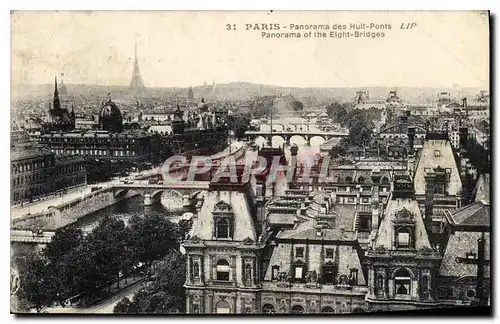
(181, 192)
(286, 136)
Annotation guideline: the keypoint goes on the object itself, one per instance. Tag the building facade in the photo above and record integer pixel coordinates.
(36, 172)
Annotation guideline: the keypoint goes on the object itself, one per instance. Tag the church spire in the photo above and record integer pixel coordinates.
(57, 103)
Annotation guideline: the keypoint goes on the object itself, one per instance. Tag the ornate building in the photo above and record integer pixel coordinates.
(402, 263)
(357, 243)
(36, 172)
(58, 118)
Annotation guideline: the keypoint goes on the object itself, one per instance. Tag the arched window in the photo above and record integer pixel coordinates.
(361, 180)
(358, 310)
(402, 282)
(327, 309)
(268, 309)
(348, 179)
(222, 269)
(223, 307)
(385, 180)
(297, 309)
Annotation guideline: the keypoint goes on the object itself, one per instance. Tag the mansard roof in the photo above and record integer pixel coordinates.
(398, 211)
(231, 202)
(458, 245)
(437, 152)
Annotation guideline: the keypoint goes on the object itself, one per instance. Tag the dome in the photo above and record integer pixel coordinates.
(110, 118)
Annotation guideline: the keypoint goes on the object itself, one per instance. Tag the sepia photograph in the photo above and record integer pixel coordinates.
(250, 162)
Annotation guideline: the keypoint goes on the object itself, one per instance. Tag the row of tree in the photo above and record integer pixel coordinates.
(164, 294)
(74, 264)
(359, 122)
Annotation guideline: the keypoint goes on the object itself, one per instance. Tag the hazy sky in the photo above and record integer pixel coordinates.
(188, 48)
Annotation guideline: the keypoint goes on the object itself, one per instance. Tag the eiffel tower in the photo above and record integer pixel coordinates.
(136, 84)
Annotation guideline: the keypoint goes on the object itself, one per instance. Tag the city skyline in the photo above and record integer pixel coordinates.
(455, 53)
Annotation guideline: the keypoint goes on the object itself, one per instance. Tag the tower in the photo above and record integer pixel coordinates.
(56, 102)
(136, 83)
(190, 93)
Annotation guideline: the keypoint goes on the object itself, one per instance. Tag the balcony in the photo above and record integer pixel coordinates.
(315, 288)
(223, 283)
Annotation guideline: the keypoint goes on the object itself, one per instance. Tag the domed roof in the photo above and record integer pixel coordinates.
(110, 118)
(110, 109)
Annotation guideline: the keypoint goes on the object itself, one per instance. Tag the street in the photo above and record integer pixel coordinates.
(103, 307)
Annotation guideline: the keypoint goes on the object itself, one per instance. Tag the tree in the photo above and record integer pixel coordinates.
(165, 294)
(35, 281)
(337, 112)
(297, 105)
(109, 240)
(151, 237)
(63, 241)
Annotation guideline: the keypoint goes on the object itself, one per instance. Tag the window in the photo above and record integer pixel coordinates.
(268, 309)
(353, 276)
(299, 272)
(365, 223)
(196, 308)
(403, 239)
(222, 270)
(297, 309)
(327, 309)
(365, 200)
(437, 153)
(275, 272)
(361, 180)
(223, 308)
(299, 252)
(329, 253)
(329, 273)
(350, 200)
(402, 282)
(222, 227)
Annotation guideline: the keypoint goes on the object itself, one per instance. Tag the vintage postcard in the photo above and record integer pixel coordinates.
(260, 162)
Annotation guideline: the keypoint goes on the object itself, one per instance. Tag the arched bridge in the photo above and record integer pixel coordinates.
(180, 191)
(286, 136)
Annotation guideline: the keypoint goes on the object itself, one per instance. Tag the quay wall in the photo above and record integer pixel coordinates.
(69, 212)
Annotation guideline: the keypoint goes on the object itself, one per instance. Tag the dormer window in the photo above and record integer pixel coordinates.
(403, 239)
(223, 221)
(437, 153)
(222, 228)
